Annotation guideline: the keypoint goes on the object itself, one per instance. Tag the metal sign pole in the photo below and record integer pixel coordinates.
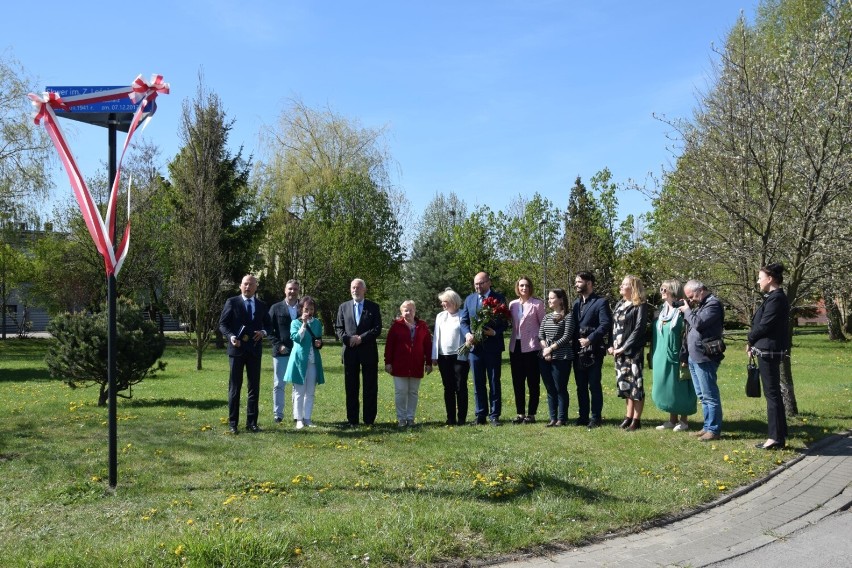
(112, 336)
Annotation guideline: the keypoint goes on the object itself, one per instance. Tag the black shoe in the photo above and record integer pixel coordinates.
(519, 419)
(593, 424)
(581, 422)
(494, 421)
(550, 424)
(450, 422)
(479, 422)
(278, 420)
(625, 424)
(529, 419)
(233, 430)
(253, 428)
(772, 446)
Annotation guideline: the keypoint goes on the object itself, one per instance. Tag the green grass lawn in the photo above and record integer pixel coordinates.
(190, 495)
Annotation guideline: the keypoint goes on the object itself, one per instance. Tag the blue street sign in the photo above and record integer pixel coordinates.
(122, 105)
(117, 112)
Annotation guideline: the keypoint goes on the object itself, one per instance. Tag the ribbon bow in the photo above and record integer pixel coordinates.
(101, 230)
(142, 90)
(48, 98)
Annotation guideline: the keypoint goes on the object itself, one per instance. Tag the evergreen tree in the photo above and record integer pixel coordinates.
(217, 226)
(78, 354)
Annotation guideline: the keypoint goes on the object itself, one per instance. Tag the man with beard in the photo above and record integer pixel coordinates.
(593, 319)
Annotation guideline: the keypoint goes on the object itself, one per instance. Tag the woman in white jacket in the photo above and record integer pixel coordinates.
(454, 368)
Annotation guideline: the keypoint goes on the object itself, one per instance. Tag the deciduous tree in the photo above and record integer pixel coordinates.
(767, 158)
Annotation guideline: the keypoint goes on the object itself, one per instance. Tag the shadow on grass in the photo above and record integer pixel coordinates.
(528, 484)
(207, 404)
(24, 375)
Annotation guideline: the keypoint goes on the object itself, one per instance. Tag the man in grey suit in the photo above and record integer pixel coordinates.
(358, 325)
(282, 314)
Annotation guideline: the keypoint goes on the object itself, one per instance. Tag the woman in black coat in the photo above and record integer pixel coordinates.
(768, 340)
(630, 319)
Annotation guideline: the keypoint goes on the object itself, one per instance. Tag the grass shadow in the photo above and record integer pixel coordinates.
(24, 375)
(207, 404)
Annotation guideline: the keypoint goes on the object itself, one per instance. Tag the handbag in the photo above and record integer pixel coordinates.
(752, 387)
(713, 347)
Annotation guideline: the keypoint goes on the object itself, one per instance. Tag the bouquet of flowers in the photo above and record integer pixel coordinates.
(491, 311)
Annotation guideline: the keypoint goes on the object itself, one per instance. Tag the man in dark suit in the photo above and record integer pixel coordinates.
(282, 314)
(485, 357)
(244, 323)
(358, 325)
(593, 324)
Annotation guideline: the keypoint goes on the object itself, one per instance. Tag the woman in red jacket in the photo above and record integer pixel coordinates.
(408, 352)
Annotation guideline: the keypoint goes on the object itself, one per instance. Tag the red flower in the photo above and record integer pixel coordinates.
(492, 310)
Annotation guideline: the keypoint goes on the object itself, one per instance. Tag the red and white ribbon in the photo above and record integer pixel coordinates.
(102, 231)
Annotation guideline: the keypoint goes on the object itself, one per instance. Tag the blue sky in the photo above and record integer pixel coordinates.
(488, 99)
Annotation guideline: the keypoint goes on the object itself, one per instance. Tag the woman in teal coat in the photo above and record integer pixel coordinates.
(304, 369)
(672, 390)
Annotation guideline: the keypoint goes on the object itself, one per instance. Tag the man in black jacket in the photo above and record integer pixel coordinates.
(244, 323)
(593, 319)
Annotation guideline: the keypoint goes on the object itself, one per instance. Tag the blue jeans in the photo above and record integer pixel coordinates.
(704, 380)
(554, 375)
(487, 393)
(279, 368)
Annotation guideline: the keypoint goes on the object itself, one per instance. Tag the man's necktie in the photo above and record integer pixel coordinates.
(249, 309)
(357, 313)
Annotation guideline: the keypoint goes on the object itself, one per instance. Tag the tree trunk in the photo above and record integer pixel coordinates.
(103, 394)
(835, 321)
(3, 294)
(788, 392)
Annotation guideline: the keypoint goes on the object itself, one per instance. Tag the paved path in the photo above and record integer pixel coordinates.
(793, 498)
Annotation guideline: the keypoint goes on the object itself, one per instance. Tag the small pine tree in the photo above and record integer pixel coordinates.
(78, 354)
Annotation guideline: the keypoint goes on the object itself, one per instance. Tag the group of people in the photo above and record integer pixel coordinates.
(545, 345)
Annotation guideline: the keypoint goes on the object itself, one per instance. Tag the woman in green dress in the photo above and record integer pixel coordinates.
(672, 388)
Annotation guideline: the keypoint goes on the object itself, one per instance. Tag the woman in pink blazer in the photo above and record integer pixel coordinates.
(524, 347)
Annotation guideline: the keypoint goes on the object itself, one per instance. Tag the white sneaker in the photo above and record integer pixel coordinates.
(299, 424)
(667, 425)
(681, 427)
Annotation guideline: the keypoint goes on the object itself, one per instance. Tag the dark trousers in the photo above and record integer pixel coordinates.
(353, 372)
(525, 374)
(454, 376)
(251, 365)
(554, 375)
(487, 391)
(770, 377)
(588, 381)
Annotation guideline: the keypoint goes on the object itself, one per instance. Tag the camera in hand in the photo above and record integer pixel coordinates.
(677, 303)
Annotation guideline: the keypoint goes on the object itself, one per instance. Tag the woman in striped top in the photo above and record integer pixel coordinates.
(557, 329)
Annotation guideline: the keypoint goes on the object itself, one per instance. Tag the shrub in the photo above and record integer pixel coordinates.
(78, 354)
